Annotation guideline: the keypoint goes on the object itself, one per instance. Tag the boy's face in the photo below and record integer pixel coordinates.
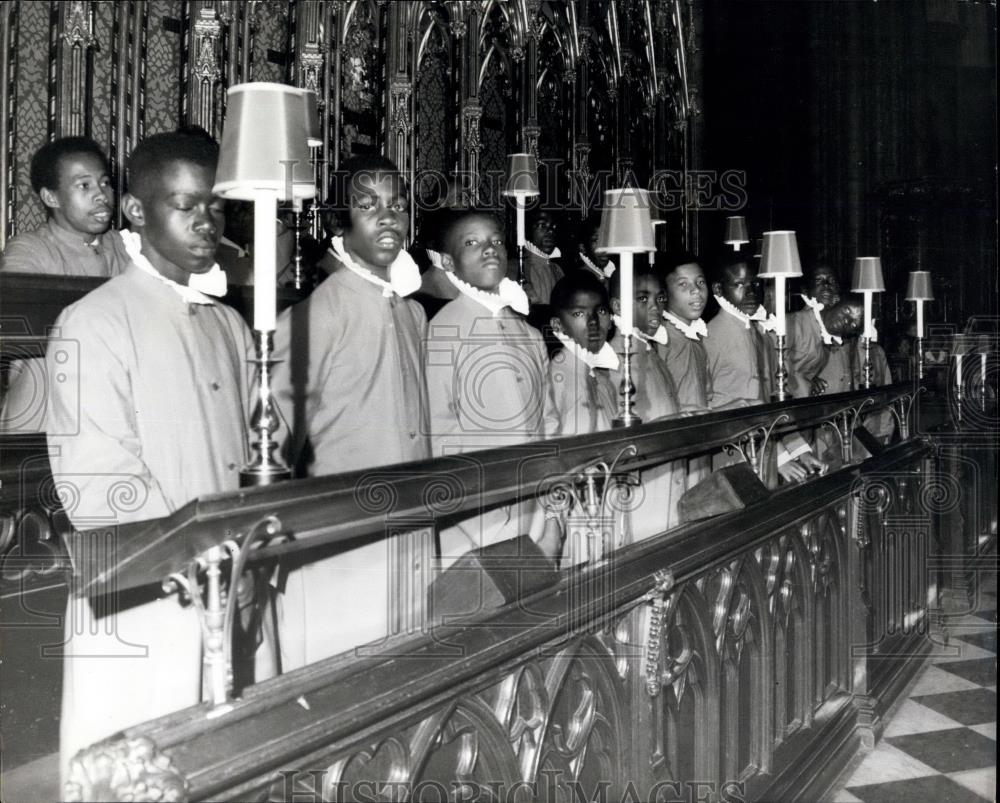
(181, 220)
(589, 248)
(740, 287)
(83, 201)
(379, 213)
(824, 286)
(543, 232)
(476, 252)
(586, 320)
(686, 292)
(648, 300)
(845, 319)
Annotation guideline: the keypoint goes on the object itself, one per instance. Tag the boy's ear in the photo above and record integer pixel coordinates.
(49, 198)
(555, 323)
(133, 209)
(616, 306)
(717, 288)
(447, 262)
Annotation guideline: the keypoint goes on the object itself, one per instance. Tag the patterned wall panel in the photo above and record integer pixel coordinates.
(361, 83)
(32, 106)
(493, 125)
(104, 16)
(271, 36)
(163, 66)
(432, 131)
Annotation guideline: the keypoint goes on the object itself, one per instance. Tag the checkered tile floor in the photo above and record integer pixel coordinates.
(940, 744)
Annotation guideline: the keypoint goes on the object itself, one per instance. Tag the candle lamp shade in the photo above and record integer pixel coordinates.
(264, 147)
(779, 255)
(918, 288)
(736, 231)
(522, 175)
(868, 275)
(626, 226)
(314, 132)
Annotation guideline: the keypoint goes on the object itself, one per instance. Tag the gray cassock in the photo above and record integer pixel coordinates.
(541, 273)
(351, 385)
(487, 388)
(586, 399)
(655, 507)
(54, 251)
(739, 361)
(147, 411)
(808, 357)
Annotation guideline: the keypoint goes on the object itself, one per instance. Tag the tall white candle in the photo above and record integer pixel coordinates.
(958, 370)
(920, 317)
(982, 369)
(519, 202)
(779, 303)
(627, 293)
(868, 315)
(265, 279)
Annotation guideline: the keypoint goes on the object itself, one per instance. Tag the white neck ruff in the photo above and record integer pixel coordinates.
(199, 286)
(404, 274)
(605, 358)
(508, 294)
(692, 331)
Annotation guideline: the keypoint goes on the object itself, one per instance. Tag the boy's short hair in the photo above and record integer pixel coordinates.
(639, 271)
(154, 153)
(666, 262)
(577, 281)
(585, 228)
(727, 261)
(456, 216)
(344, 178)
(46, 161)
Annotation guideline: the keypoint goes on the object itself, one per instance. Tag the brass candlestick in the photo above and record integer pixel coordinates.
(627, 390)
(781, 377)
(868, 363)
(920, 358)
(264, 468)
(520, 265)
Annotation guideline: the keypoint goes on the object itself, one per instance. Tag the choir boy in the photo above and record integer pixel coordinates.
(350, 384)
(71, 178)
(739, 361)
(147, 411)
(818, 362)
(541, 272)
(655, 395)
(598, 264)
(686, 357)
(586, 397)
(486, 377)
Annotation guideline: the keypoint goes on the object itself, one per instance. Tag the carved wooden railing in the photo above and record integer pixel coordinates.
(744, 657)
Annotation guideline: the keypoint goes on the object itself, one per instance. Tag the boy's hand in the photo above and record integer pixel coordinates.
(812, 464)
(792, 472)
(817, 386)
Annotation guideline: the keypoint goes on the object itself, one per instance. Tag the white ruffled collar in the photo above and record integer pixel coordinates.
(597, 270)
(531, 248)
(508, 294)
(404, 274)
(817, 307)
(759, 315)
(660, 336)
(199, 286)
(605, 358)
(692, 331)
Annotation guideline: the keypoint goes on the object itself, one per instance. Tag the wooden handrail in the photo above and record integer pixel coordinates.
(325, 510)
